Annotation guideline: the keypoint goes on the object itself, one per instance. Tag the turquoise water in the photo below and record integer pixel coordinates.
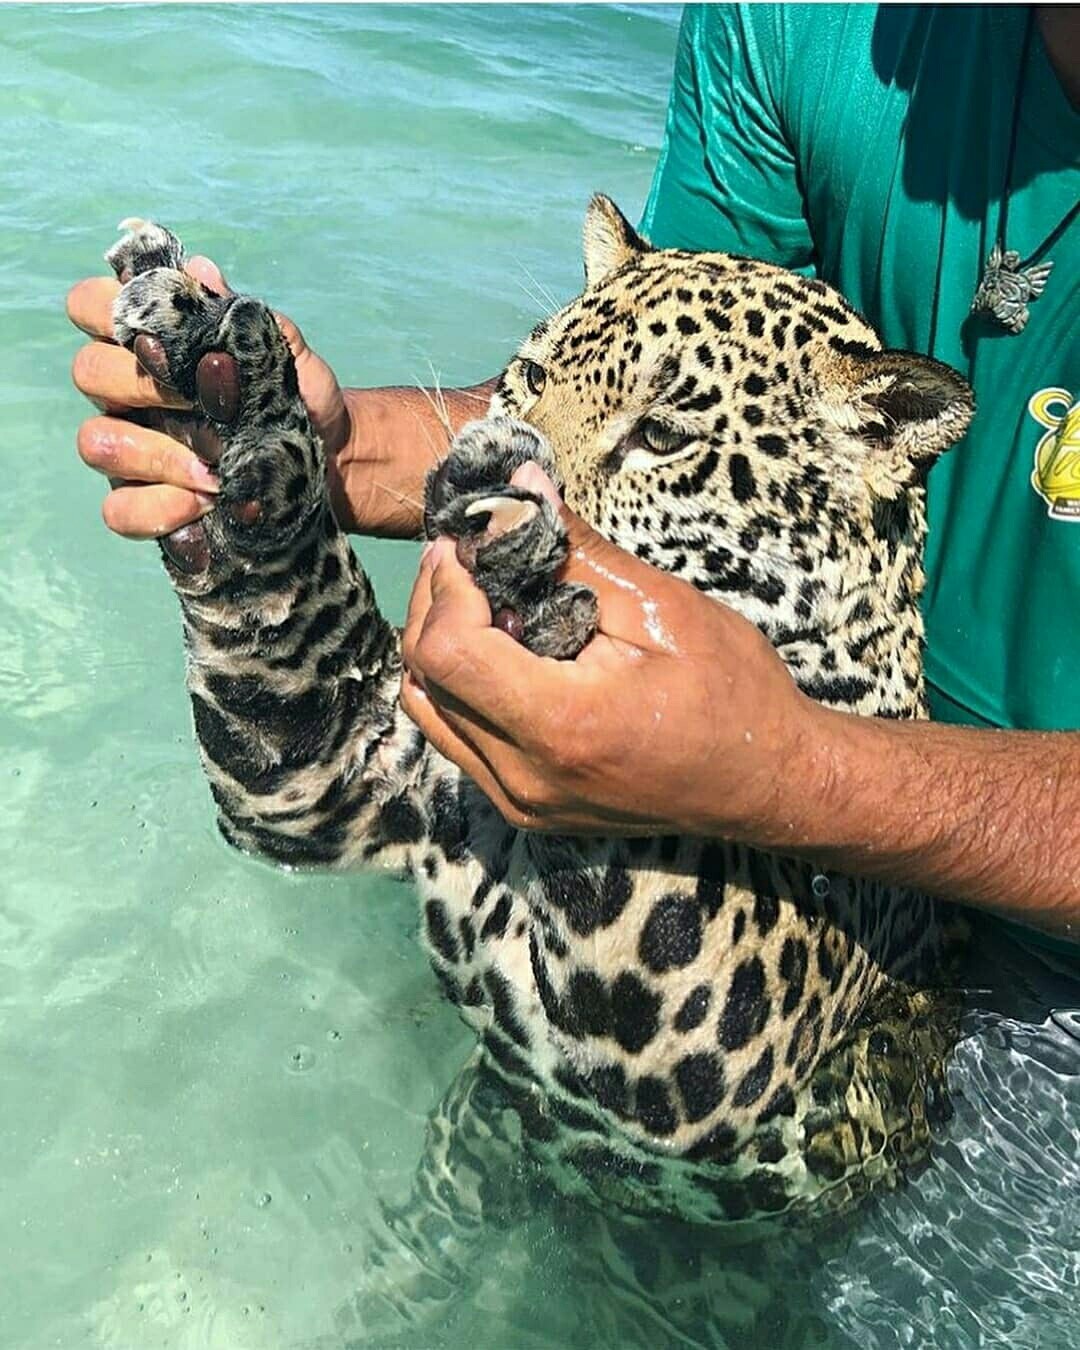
(212, 1075)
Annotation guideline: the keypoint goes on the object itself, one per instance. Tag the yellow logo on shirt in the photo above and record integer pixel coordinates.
(1056, 476)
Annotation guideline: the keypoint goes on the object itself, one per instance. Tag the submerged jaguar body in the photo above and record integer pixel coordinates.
(702, 1025)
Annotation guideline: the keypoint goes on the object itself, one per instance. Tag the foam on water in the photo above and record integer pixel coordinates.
(215, 1077)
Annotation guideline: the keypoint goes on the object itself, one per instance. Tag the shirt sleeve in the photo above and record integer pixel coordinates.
(727, 178)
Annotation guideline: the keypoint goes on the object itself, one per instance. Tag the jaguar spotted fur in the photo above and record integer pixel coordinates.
(687, 1025)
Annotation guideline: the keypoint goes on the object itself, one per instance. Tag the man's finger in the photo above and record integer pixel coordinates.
(419, 600)
(114, 379)
(455, 589)
(532, 477)
(90, 302)
(450, 631)
(515, 793)
(319, 390)
(436, 599)
(489, 679)
(456, 748)
(89, 305)
(452, 585)
(120, 449)
(148, 512)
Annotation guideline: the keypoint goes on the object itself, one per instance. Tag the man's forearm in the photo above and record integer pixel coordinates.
(990, 818)
(397, 435)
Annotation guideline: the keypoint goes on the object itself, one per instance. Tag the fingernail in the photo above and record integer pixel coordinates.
(203, 475)
(206, 501)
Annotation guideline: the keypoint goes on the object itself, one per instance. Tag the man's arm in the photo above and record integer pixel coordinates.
(396, 435)
(380, 443)
(724, 744)
(988, 817)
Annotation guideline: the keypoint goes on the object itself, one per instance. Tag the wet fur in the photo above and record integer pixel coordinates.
(691, 1025)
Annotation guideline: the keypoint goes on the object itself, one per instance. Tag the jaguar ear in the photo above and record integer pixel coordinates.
(610, 240)
(905, 407)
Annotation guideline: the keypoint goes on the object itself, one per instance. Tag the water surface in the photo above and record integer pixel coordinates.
(213, 1074)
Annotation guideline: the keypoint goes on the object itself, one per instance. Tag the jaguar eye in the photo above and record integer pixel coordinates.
(535, 377)
(660, 438)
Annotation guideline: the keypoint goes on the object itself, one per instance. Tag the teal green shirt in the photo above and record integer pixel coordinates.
(871, 147)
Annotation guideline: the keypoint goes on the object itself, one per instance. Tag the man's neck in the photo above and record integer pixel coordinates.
(1060, 29)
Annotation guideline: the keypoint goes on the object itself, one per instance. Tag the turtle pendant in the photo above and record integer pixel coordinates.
(1007, 287)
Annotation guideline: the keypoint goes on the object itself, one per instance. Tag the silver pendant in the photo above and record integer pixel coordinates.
(1007, 287)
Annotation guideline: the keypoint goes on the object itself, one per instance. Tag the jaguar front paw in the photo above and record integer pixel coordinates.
(511, 540)
(227, 356)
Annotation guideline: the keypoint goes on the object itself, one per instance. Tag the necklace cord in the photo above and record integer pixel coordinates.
(1010, 162)
(1014, 134)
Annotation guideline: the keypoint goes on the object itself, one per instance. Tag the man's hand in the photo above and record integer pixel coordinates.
(158, 483)
(379, 443)
(678, 716)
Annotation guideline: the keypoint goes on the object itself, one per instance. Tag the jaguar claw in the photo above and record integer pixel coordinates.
(507, 513)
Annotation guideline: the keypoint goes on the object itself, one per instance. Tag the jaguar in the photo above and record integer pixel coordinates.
(675, 1025)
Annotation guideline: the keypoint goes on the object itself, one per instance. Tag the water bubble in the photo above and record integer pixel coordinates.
(333, 1035)
(821, 886)
(301, 1059)
(264, 1200)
